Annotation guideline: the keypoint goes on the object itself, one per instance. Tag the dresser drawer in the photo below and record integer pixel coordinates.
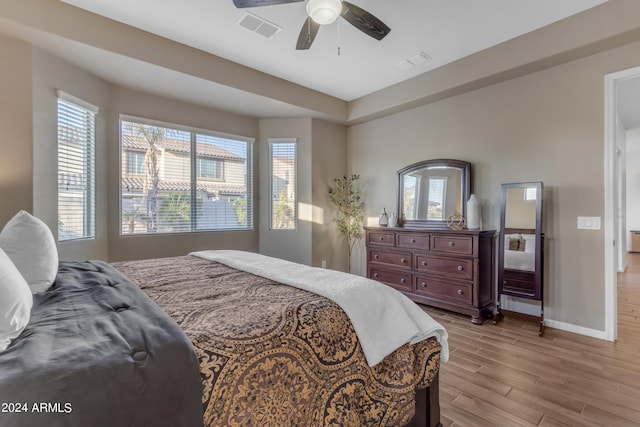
(413, 241)
(459, 268)
(382, 238)
(398, 280)
(461, 293)
(462, 245)
(392, 258)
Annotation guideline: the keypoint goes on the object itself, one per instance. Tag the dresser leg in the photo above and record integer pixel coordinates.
(476, 320)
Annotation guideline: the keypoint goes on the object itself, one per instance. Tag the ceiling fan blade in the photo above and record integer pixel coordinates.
(240, 4)
(364, 21)
(307, 34)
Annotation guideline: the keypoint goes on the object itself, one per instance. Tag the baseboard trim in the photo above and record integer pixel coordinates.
(581, 330)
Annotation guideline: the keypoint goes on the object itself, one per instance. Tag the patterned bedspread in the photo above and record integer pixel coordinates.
(274, 355)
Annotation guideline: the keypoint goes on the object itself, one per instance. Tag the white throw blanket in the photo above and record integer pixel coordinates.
(383, 318)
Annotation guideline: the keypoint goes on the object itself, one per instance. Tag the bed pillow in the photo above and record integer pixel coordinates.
(31, 247)
(530, 243)
(15, 303)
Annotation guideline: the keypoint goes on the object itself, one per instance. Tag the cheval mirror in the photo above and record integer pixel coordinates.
(521, 245)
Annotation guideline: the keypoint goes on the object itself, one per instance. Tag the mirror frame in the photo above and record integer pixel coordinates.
(538, 273)
(465, 183)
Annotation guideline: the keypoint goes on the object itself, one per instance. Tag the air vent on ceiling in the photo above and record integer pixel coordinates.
(417, 59)
(258, 25)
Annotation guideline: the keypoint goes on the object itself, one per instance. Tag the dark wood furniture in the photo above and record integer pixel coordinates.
(449, 269)
(521, 214)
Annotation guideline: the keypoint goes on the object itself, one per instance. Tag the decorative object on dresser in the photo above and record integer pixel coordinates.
(383, 220)
(521, 245)
(429, 192)
(474, 219)
(456, 222)
(449, 269)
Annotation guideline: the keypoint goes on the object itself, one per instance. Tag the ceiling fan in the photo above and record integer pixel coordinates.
(323, 12)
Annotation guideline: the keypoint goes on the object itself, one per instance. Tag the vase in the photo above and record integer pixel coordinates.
(383, 221)
(393, 220)
(473, 213)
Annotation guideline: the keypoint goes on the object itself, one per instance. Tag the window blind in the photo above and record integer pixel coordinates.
(76, 168)
(176, 180)
(282, 154)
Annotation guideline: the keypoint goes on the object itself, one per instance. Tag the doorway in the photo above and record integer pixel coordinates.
(615, 224)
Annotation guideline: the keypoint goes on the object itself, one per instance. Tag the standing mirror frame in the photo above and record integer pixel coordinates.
(521, 244)
(423, 209)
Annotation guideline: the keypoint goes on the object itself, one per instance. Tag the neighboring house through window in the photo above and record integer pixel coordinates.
(76, 168)
(175, 179)
(283, 212)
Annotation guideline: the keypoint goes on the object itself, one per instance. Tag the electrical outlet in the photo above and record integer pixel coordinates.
(324, 263)
(589, 223)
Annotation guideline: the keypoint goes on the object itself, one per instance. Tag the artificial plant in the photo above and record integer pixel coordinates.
(346, 197)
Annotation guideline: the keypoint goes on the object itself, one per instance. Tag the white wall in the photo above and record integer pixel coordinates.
(633, 181)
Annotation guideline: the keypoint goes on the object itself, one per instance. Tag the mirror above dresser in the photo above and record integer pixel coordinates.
(431, 191)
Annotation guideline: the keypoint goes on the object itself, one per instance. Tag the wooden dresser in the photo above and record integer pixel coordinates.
(449, 269)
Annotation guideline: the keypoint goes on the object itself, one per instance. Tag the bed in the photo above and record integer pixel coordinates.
(519, 261)
(188, 341)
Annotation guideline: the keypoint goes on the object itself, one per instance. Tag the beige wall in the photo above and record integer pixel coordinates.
(133, 103)
(50, 74)
(322, 156)
(329, 162)
(16, 149)
(294, 245)
(547, 126)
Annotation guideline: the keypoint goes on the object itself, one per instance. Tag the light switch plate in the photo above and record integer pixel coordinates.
(589, 223)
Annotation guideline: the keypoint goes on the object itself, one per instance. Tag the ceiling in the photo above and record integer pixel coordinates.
(445, 30)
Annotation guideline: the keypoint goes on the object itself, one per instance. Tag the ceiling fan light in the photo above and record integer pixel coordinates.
(324, 12)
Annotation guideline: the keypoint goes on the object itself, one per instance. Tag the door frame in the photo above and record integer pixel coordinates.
(611, 225)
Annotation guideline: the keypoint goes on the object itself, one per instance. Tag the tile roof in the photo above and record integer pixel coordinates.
(205, 186)
(180, 146)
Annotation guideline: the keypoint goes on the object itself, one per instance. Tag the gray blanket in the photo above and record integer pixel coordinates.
(99, 352)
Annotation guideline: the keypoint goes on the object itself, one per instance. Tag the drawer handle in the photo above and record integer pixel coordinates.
(504, 282)
(460, 268)
(451, 244)
(413, 240)
(403, 280)
(376, 256)
(375, 274)
(423, 284)
(381, 238)
(460, 292)
(424, 263)
(402, 260)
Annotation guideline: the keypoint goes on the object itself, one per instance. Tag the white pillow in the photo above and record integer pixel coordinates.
(15, 301)
(530, 245)
(31, 247)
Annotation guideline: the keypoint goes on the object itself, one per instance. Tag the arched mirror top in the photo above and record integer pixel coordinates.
(429, 192)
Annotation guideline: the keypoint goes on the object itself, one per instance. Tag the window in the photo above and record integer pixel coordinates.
(135, 162)
(282, 155)
(209, 168)
(437, 193)
(76, 168)
(176, 179)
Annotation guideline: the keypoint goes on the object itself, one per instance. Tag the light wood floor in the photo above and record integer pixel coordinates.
(506, 375)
